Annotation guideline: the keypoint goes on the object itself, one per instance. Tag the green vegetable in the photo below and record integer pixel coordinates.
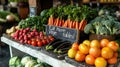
(89, 28)
(33, 23)
(14, 61)
(25, 59)
(104, 31)
(30, 63)
(104, 25)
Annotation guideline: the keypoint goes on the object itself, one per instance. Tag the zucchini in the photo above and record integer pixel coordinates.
(63, 45)
(54, 45)
(56, 40)
(64, 50)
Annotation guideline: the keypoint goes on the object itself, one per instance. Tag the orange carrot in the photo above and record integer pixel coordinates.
(65, 24)
(60, 22)
(57, 22)
(82, 24)
(77, 26)
(73, 25)
(50, 20)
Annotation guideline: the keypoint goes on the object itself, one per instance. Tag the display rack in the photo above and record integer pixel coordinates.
(35, 53)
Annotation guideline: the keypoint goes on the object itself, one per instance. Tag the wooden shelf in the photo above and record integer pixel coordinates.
(36, 53)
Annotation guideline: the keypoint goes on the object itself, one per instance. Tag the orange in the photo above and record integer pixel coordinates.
(113, 45)
(112, 60)
(115, 54)
(80, 56)
(75, 45)
(104, 42)
(84, 48)
(100, 62)
(107, 53)
(72, 53)
(95, 43)
(89, 59)
(87, 42)
(95, 51)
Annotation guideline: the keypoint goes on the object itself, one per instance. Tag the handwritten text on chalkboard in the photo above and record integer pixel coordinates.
(62, 33)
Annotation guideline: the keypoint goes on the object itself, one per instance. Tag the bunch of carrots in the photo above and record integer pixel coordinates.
(67, 23)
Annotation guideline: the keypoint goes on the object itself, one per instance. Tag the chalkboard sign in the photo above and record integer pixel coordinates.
(32, 11)
(63, 33)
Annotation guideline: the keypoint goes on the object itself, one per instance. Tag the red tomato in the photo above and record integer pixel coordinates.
(51, 39)
(34, 43)
(29, 42)
(39, 43)
(44, 41)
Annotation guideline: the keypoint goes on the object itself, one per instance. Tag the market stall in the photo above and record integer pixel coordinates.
(67, 36)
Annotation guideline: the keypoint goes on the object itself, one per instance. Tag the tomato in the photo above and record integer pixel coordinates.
(29, 42)
(44, 41)
(34, 43)
(37, 39)
(39, 43)
(51, 39)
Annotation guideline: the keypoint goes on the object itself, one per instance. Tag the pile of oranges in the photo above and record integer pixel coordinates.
(95, 52)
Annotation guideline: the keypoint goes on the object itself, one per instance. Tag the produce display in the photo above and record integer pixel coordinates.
(95, 52)
(26, 61)
(103, 25)
(32, 37)
(71, 16)
(99, 53)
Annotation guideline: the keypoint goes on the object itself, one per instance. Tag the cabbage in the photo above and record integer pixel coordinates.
(25, 60)
(14, 61)
(38, 60)
(39, 65)
(30, 63)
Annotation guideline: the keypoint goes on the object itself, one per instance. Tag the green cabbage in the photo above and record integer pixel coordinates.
(14, 61)
(30, 63)
(25, 59)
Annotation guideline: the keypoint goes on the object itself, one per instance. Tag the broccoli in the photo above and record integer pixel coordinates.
(108, 24)
(104, 31)
(116, 27)
(97, 26)
(88, 28)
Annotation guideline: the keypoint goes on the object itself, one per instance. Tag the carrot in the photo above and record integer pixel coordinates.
(65, 24)
(77, 26)
(60, 22)
(82, 24)
(50, 20)
(69, 21)
(73, 25)
(57, 22)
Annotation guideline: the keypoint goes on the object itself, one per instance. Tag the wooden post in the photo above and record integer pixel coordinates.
(35, 7)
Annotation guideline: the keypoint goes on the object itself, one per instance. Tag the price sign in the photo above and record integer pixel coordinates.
(63, 33)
